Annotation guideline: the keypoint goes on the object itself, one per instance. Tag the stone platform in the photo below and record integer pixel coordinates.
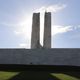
(55, 57)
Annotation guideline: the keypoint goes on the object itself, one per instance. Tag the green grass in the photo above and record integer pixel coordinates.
(5, 75)
(64, 77)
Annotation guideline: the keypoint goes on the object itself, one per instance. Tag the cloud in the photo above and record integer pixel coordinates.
(24, 45)
(24, 28)
(8, 24)
(51, 8)
(57, 29)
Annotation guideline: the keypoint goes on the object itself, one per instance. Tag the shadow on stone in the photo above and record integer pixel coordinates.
(30, 75)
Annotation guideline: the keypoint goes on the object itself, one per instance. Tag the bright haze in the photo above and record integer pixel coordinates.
(16, 22)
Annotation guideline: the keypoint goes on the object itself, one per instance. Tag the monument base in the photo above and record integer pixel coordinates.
(52, 60)
(65, 57)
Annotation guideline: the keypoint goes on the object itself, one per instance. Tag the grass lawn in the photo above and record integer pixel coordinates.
(24, 75)
(7, 75)
(65, 77)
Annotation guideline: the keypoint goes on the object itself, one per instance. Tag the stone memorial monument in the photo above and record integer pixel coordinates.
(35, 39)
(41, 55)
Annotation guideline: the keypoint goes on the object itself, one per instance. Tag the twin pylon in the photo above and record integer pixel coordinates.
(35, 36)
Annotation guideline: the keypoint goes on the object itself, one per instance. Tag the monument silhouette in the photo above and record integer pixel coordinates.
(35, 38)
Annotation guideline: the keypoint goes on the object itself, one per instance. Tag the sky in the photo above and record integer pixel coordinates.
(16, 22)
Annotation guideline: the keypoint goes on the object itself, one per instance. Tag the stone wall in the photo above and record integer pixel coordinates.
(69, 57)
